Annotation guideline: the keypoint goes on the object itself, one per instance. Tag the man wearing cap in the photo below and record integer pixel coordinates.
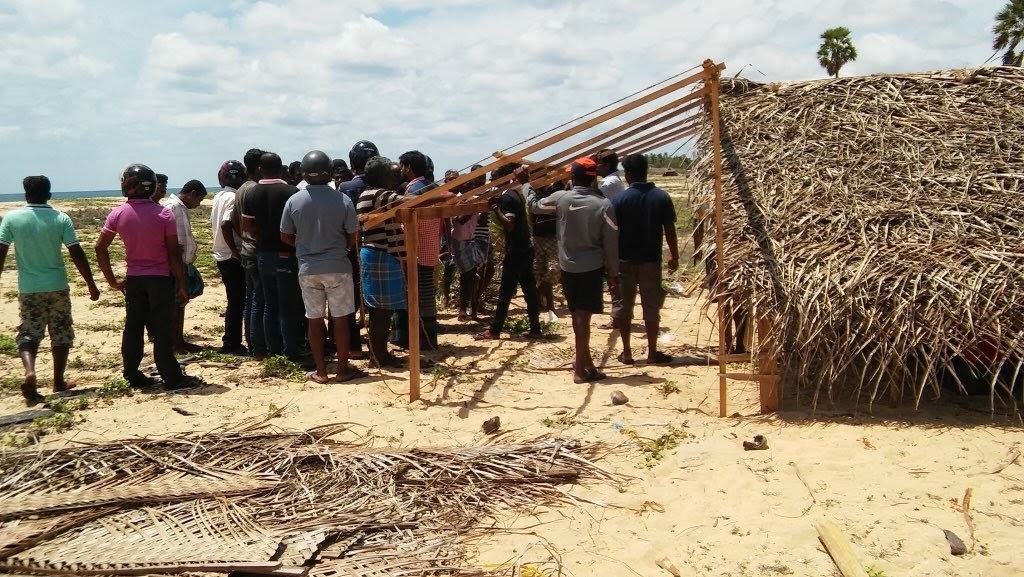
(588, 245)
(226, 243)
(190, 196)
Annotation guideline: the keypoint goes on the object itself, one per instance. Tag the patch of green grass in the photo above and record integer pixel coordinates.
(77, 363)
(110, 326)
(114, 389)
(10, 383)
(873, 571)
(668, 388)
(8, 346)
(562, 421)
(654, 449)
(65, 415)
(280, 367)
(517, 325)
(218, 357)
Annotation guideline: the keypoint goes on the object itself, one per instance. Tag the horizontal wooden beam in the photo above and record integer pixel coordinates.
(749, 377)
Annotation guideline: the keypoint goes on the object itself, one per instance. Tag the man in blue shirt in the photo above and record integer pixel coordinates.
(646, 218)
(44, 298)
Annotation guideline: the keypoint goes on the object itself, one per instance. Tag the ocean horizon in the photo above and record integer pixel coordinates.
(72, 194)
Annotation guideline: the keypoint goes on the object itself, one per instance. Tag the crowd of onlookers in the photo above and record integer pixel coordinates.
(298, 267)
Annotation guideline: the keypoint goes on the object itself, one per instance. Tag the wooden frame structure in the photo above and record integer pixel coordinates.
(675, 109)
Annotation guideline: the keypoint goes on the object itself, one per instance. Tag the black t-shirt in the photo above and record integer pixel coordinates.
(353, 188)
(265, 203)
(642, 210)
(518, 239)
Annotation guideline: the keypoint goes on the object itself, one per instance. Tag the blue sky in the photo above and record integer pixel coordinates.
(90, 86)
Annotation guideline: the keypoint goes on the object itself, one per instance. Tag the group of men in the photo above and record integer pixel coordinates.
(292, 254)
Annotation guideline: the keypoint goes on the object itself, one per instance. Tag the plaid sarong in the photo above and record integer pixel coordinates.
(382, 280)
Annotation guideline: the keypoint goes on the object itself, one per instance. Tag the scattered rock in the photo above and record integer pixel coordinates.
(492, 425)
(181, 411)
(619, 398)
(956, 544)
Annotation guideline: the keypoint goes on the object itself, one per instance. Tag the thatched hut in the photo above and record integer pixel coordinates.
(875, 225)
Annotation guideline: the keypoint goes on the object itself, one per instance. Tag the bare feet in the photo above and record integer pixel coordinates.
(60, 387)
(486, 336)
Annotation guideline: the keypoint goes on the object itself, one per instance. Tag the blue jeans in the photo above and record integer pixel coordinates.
(255, 336)
(282, 311)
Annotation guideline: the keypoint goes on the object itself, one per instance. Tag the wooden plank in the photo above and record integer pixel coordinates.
(452, 210)
(411, 219)
(753, 377)
(766, 365)
(840, 550)
(714, 88)
(375, 218)
(737, 358)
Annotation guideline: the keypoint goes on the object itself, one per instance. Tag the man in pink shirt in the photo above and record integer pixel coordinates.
(152, 255)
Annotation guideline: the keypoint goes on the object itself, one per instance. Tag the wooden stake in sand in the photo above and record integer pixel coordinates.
(840, 550)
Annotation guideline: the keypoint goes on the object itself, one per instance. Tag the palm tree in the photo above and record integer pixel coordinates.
(1009, 31)
(837, 49)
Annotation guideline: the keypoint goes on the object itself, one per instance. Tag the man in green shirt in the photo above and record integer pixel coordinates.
(44, 298)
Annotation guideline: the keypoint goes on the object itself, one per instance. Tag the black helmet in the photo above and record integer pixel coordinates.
(138, 180)
(361, 152)
(316, 167)
(232, 173)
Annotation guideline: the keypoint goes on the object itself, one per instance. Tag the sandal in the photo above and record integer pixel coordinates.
(592, 376)
(486, 336)
(659, 358)
(759, 443)
(186, 382)
(352, 375)
(625, 360)
(312, 376)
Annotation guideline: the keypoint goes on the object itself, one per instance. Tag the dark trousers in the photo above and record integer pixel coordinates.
(255, 336)
(282, 310)
(233, 276)
(355, 340)
(517, 271)
(149, 301)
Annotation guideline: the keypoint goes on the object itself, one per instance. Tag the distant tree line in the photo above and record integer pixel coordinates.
(681, 163)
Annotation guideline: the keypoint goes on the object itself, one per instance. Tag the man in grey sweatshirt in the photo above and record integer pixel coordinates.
(588, 246)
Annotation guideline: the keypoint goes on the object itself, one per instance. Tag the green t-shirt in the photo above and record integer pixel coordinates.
(37, 231)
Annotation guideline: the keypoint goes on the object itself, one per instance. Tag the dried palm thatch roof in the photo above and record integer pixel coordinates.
(270, 503)
(878, 223)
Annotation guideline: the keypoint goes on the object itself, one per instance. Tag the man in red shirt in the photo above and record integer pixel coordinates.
(152, 255)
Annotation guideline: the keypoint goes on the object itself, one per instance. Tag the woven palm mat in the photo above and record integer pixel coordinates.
(272, 503)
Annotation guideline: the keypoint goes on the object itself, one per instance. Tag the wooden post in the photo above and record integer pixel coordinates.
(766, 365)
(840, 549)
(413, 297)
(712, 74)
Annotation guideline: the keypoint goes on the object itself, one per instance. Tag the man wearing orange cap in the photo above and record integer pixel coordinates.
(588, 245)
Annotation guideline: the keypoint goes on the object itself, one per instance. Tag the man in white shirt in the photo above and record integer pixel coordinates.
(608, 169)
(189, 197)
(226, 241)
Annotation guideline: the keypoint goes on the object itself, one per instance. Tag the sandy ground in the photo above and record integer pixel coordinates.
(892, 481)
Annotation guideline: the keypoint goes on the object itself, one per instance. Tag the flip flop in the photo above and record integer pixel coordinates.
(590, 377)
(624, 360)
(312, 376)
(353, 375)
(659, 358)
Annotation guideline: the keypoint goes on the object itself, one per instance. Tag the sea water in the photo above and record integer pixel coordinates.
(66, 195)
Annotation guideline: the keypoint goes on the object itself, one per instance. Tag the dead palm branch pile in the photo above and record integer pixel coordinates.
(878, 224)
(270, 503)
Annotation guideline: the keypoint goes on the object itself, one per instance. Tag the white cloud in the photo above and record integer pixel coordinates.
(455, 78)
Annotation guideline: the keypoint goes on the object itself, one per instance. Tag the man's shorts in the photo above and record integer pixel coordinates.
(645, 276)
(545, 260)
(320, 291)
(582, 290)
(42, 311)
